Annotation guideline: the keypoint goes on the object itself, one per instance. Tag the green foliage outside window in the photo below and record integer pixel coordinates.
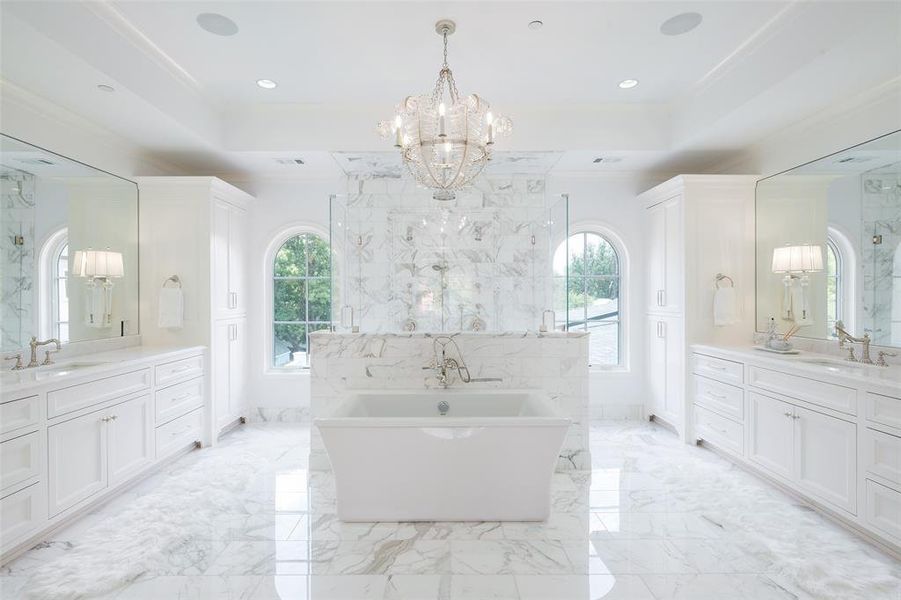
(301, 297)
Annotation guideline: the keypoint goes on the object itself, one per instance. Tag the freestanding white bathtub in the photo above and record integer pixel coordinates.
(490, 457)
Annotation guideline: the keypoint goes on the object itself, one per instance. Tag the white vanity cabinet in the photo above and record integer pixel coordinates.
(196, 228)
(833, 439)
(69, 441)
(698, 226)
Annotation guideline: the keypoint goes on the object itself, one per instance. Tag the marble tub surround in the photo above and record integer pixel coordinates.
(554, 363)
(653, 519)
(482, 262)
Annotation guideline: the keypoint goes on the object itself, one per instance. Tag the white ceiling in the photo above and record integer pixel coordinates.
(189, 96)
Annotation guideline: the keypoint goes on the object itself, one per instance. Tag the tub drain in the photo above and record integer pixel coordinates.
(443, 407)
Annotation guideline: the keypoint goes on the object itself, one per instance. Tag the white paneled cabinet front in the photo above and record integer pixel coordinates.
(826, 457)
(77, 452)
(665, 272)
(96, 450)
(228, 370)
(771, 434)
(665, 364)
(131, 438)
(228, 232)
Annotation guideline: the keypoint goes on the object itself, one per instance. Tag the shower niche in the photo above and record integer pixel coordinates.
(404, 262)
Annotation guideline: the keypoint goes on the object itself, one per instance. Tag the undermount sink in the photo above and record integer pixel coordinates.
(60, 369)
(833, 364)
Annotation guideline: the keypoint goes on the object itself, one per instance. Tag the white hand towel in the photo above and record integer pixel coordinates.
(172, 308)
(725, 307)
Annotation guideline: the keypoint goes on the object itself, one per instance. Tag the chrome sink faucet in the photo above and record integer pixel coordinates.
(844, 336)
(35, 344)
(445, 365)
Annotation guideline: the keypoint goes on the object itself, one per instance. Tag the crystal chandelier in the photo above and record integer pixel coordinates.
(445, 140)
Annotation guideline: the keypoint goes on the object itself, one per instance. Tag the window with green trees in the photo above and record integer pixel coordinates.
(301, 292)
(593, 293)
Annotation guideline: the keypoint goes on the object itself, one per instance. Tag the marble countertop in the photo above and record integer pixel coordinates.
(85, 367)
(417, 334)
(826, 367)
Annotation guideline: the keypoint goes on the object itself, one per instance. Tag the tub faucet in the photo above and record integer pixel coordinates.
(445, 365)
(844, 336)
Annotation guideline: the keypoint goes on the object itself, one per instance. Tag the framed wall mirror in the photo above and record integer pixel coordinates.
(69, 261)
(829, 244)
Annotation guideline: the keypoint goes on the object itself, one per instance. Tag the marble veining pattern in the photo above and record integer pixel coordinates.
(652, 520)
(479, 263)
(554, 363)
(17, 256)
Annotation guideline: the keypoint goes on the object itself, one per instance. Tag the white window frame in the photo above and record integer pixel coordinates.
(622, 252)
(278, 240)
(846, 270)
(47, 282)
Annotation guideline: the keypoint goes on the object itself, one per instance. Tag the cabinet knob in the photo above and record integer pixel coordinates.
(788, 414)
(105, 419)
(113, 417)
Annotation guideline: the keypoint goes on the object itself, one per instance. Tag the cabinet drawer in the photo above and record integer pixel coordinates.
(727, 371)
(178, 370)
(20, 459)
(883, 511)
(19, 413)
(882, 455)
(829, 395)
(70, 399)
(20, 514)
(885, 410)
(719, 397)
(717, 429)
(172, 402)
(179, 433)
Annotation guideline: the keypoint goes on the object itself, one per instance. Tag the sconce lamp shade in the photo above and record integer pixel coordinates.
(805, 258)
(98, 263)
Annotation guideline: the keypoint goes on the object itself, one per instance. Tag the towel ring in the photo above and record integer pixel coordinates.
(720, 277)
(173, 279)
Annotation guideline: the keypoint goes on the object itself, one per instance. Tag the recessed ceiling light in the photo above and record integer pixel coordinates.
(267, 84)
(536, 25)
(105, 88)
(217, 24)
(628, 83)
(681, 23)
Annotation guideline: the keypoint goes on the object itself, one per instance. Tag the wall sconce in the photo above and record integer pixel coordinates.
(804, 259)
(100, 267)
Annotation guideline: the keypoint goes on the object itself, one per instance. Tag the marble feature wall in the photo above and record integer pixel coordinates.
(482, 262)
(881, 262)
(554, 363)
(17, 256)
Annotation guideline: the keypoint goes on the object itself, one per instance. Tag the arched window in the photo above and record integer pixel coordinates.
(301, 298)
(593, 291)
(834, 291)
(53, 294)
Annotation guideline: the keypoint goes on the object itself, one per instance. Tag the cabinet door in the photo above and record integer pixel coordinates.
(236, 372)
(77, 461)
(219, 354)
(673, 268)
(826, 458)
(237, 233)
(675, 371)
(771, 432)
(656, 256)
(131, 438)
(657, 368)
(220, 232)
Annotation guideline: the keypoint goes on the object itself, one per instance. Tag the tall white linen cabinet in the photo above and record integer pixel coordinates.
(195, 229)
(697, 226)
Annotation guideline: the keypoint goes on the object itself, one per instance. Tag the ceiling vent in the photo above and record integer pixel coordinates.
(290, 161)
(607, 160)
(36, 161)
(853, 159)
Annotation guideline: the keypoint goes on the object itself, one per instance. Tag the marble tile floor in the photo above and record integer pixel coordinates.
(654, 520)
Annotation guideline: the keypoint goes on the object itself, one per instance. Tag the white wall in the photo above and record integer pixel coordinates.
(610, 201)
(279, 205)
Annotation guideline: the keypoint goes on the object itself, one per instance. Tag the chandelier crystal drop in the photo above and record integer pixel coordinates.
(445, 140)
